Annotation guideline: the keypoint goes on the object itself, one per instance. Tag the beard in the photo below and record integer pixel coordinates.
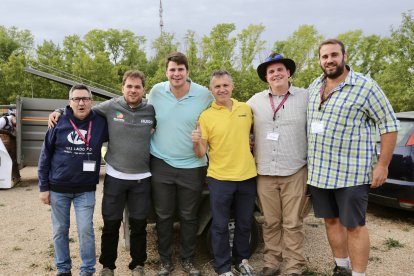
(336, 73)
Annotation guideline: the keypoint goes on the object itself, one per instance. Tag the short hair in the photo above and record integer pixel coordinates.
(220, 73)
(178, 58)
(79, 87)
(332, 41)
(134, 74)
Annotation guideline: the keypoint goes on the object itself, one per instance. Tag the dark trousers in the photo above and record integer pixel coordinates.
(225, 196)
(137, 196)
(175, 189)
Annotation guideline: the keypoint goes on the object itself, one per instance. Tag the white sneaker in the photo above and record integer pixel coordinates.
(244, 269)
(227, 274)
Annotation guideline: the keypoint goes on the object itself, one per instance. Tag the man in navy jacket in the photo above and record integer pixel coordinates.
(68, 172)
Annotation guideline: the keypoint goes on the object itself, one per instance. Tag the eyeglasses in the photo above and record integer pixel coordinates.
(84, 99)
(274, 57)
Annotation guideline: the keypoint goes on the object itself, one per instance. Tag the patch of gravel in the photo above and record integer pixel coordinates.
(26, 239)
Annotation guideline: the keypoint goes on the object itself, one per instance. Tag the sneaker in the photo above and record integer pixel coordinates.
(269, 271)
(188, 266)
(341, 271)
(227, 274)
(165, 269)
(107, 272)
(138, 271)
(244, 269)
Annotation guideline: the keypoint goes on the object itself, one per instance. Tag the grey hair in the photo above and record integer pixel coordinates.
(79, 87)
(220, 73)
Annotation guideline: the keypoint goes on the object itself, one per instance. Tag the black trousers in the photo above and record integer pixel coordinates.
(176, 189)
(137, 196)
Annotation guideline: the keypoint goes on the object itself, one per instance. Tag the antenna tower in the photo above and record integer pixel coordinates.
(161, 21)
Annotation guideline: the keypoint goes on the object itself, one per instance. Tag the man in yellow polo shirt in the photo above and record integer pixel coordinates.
(224, 130)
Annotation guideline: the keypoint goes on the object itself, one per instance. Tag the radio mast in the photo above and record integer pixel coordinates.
(161, 21)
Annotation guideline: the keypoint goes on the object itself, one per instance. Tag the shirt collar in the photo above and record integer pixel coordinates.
(191, 92)
(291, 90)
(216, 106)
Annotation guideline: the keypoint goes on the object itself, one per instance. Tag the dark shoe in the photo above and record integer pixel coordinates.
(165, 269)
(341, 271)
(138, 271)
(188, 266)
(64, 274)
(269, 271)
(244, 269)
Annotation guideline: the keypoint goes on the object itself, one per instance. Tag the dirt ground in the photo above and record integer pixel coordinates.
(26, 246)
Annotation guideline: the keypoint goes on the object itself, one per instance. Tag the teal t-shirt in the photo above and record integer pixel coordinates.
(176, 119)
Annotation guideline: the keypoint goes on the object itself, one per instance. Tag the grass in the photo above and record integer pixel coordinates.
(49, 267)
(17, 248)
(33, 265)
(2, 205)
(50, 250)
(374, 259)
(391, 243)
(71, 240)
(309, 272)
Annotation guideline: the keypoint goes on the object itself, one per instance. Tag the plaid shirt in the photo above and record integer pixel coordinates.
(344, 154)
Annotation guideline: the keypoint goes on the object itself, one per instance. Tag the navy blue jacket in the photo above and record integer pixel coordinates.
(61, 159)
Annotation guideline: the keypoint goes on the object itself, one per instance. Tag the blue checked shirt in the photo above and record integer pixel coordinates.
(344, 154)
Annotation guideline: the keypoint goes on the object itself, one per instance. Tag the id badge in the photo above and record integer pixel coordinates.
(317, 127)
(89, 165)
(274, 136)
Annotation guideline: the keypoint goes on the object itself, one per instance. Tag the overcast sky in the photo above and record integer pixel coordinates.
(55, 19)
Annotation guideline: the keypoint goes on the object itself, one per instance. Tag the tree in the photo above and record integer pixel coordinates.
(15, 46)
(13, 41)
(196, 64)
(163, 45)
(302, 47)
(250, 45)
(218, 48)
(245, 77)
(397, 79)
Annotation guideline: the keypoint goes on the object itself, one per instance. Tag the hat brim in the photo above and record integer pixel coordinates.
(290, 65)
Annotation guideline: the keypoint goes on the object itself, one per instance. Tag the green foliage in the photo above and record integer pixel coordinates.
(392, 243)
(218, 48)
(162, 46)
(397, 79)
(302, 47)
(102, 56)
(250, 45)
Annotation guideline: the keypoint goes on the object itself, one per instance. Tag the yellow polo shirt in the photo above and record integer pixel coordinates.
(227, 134)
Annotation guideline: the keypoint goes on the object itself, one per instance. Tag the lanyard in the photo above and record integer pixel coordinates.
(86, 141)
(321, 91)
(272, 104)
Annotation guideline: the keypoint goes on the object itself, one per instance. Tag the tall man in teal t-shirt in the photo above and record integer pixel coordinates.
(178, 175)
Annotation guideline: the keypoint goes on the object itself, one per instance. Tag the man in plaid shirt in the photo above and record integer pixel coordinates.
(345, 108)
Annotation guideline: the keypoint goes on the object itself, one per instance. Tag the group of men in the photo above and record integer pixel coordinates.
(322, 137)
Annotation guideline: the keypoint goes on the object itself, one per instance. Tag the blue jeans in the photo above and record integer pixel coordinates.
(225, 197)
(84, 204)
